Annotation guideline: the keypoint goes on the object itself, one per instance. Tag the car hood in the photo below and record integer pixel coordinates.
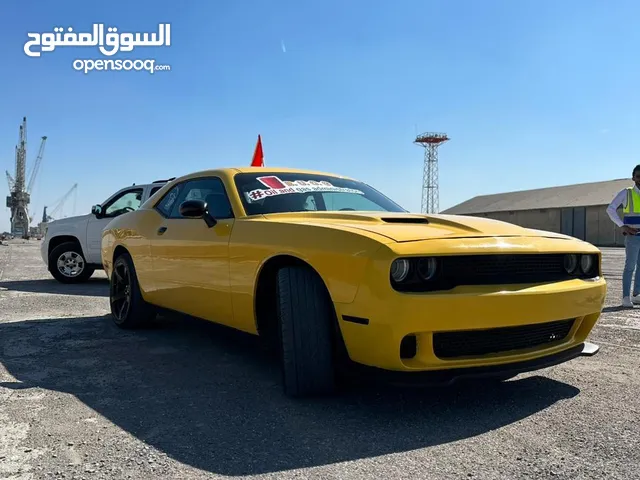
(410, 227)
(68, 221)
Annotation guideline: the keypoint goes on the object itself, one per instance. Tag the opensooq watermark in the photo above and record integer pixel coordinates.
(109, 44)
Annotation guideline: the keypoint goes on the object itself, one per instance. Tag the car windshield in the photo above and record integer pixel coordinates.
(299, 192)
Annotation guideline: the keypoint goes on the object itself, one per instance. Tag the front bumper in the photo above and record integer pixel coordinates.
(444, 378)
(44, 251)
(374, 325)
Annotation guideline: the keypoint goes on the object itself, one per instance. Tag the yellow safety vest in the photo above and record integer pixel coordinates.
(632, 210)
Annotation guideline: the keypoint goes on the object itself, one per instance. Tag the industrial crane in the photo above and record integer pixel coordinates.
(36, 165)
(10, 181)
(57, 205)
(19, 193)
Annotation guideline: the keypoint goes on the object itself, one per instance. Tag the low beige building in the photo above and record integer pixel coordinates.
(576, 210)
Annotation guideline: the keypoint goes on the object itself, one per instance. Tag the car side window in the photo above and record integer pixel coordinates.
(167, 203)
(209, 189)
(154, 190)
(125, 202)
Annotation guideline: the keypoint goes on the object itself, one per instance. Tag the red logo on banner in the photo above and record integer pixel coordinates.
(272, 182)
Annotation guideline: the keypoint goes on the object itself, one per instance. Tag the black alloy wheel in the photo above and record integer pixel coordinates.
(120, 295)
(128, 307)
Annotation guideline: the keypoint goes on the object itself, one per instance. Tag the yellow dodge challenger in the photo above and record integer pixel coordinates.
(335, 275)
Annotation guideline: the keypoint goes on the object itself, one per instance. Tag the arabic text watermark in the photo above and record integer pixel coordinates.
(109, 44)
(108, 41)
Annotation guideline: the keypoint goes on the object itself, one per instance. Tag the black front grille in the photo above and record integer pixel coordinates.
(479, 269)
(496, 340)
(492, 269)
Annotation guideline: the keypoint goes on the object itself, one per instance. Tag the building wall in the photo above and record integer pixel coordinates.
(548, 219)
(587, 223)
(601, 231)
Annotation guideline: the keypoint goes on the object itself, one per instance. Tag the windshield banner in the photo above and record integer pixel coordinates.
(275, 186)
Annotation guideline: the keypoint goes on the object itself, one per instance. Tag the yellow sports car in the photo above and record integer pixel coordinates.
(334, 274)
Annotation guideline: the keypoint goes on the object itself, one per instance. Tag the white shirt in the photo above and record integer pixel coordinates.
(620, 200)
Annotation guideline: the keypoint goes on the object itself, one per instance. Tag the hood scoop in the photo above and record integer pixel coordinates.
(412, 220)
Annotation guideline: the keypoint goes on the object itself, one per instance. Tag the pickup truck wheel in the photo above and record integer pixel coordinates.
(128, 308)
(305, 315)
(68, 265)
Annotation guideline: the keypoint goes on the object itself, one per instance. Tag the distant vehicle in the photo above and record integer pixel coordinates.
(71, 246)
(333, 273)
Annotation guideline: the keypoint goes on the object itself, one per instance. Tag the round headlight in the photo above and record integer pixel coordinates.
(399, 269)
(586, 263)
(427, 268)
(570, 263)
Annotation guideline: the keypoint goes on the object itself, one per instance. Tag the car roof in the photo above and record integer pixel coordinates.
(232, 171)
(282, 170)
(157, 183)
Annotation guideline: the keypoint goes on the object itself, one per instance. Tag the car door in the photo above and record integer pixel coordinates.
(122, 202)
(190, 259)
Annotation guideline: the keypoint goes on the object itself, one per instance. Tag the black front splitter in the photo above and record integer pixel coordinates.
(448, 377)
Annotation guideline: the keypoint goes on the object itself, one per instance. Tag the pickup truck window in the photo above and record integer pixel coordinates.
(127, 201)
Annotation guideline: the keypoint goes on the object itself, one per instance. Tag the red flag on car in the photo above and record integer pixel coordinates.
(258, 158)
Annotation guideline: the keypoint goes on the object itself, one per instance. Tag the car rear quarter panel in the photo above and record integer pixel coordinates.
(132, 232)
(339, 256)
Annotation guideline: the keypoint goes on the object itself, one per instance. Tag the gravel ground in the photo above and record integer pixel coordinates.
(81, 399)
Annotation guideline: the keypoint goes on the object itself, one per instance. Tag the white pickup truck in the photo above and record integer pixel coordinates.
(71, 247)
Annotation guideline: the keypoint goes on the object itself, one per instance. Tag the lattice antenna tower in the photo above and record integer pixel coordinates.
(430, 193)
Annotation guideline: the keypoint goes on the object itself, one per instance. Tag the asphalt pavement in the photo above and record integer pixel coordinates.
(82, 399)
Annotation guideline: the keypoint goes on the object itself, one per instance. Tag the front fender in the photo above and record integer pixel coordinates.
(340, 257)
(77, 230)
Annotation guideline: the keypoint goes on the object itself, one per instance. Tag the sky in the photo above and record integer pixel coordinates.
(531, 93)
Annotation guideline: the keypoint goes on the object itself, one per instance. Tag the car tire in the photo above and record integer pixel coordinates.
(305, 316)
(69, 254)
(128, 309)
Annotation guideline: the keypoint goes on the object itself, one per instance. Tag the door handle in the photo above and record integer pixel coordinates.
(161, 230)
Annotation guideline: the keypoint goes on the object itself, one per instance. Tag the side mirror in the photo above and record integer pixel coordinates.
(97, 210)
(197, 209)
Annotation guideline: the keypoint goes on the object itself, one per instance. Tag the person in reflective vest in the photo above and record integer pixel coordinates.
(629, 200)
